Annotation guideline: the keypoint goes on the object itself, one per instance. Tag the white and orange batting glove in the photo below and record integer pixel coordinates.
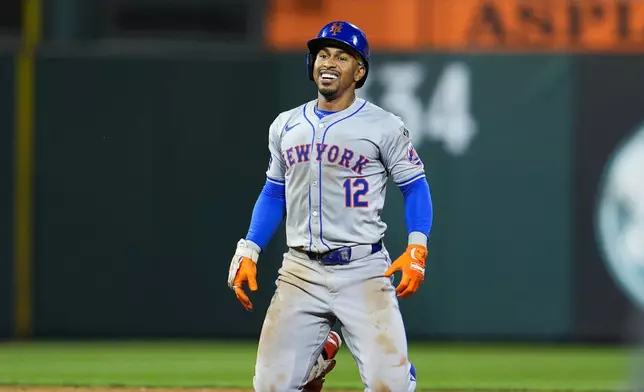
(243, 269)
(412, 265)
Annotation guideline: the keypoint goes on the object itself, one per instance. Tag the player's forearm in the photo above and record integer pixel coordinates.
(418, 211)
(267, 214)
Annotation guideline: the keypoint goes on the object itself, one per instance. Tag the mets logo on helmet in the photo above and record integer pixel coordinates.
(336, 28)
(412, 155)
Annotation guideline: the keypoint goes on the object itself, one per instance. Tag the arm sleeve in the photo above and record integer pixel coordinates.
(267, 214)
(399, 156)
(270, 206)
(418, 210)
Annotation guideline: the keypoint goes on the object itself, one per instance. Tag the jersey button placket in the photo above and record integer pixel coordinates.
(318, 167)
(315, 198)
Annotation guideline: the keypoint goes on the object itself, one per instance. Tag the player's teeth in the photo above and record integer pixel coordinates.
(329, 76)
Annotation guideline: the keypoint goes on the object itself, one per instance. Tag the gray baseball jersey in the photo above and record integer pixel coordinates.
(335, 172)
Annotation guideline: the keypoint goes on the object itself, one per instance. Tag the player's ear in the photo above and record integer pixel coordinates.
(359, 74)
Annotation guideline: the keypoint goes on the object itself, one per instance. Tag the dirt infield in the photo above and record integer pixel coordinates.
(123, 389)
(139, 389)
(116, 389)
(130, 389)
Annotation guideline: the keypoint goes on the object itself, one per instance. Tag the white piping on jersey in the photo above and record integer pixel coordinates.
(276, 182)
(413, 179)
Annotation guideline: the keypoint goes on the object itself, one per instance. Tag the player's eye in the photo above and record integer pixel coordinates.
(344, 58)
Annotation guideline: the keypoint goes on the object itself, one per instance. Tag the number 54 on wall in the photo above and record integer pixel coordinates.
(446, 119)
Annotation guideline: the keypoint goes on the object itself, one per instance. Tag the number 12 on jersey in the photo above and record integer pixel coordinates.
(354, 188)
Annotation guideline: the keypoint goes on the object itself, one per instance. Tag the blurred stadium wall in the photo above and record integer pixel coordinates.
(133, 138)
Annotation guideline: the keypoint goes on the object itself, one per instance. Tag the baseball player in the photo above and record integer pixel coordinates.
(330, 160)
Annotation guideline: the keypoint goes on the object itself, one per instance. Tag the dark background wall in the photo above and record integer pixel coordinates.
(148, 170)
(147, 174)
(6, 191)
(151, 149)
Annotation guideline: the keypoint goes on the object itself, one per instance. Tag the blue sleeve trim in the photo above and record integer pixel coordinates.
(268, 213)
(418, 206)
(276, 181)
(410, 180)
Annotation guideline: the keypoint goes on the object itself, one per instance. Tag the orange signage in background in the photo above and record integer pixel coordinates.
(290, 23)
(466, 25)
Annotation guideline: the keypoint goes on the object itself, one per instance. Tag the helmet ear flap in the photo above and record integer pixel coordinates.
(310, 60)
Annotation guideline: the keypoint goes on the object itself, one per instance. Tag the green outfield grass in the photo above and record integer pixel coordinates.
(210, 364)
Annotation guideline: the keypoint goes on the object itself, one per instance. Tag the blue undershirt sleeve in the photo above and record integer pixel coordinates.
(268, 213)
(418, 206)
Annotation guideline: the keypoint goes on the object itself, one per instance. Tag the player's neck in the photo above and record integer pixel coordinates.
(338, 104)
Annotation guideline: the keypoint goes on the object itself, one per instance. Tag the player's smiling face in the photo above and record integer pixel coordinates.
(335, 71)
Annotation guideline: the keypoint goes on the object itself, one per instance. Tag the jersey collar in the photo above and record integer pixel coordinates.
(310, 114)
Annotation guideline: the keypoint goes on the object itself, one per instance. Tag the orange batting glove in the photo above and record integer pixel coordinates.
(243, 269)
(412, 265)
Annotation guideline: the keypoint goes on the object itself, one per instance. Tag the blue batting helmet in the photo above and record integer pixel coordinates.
(344, 35)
